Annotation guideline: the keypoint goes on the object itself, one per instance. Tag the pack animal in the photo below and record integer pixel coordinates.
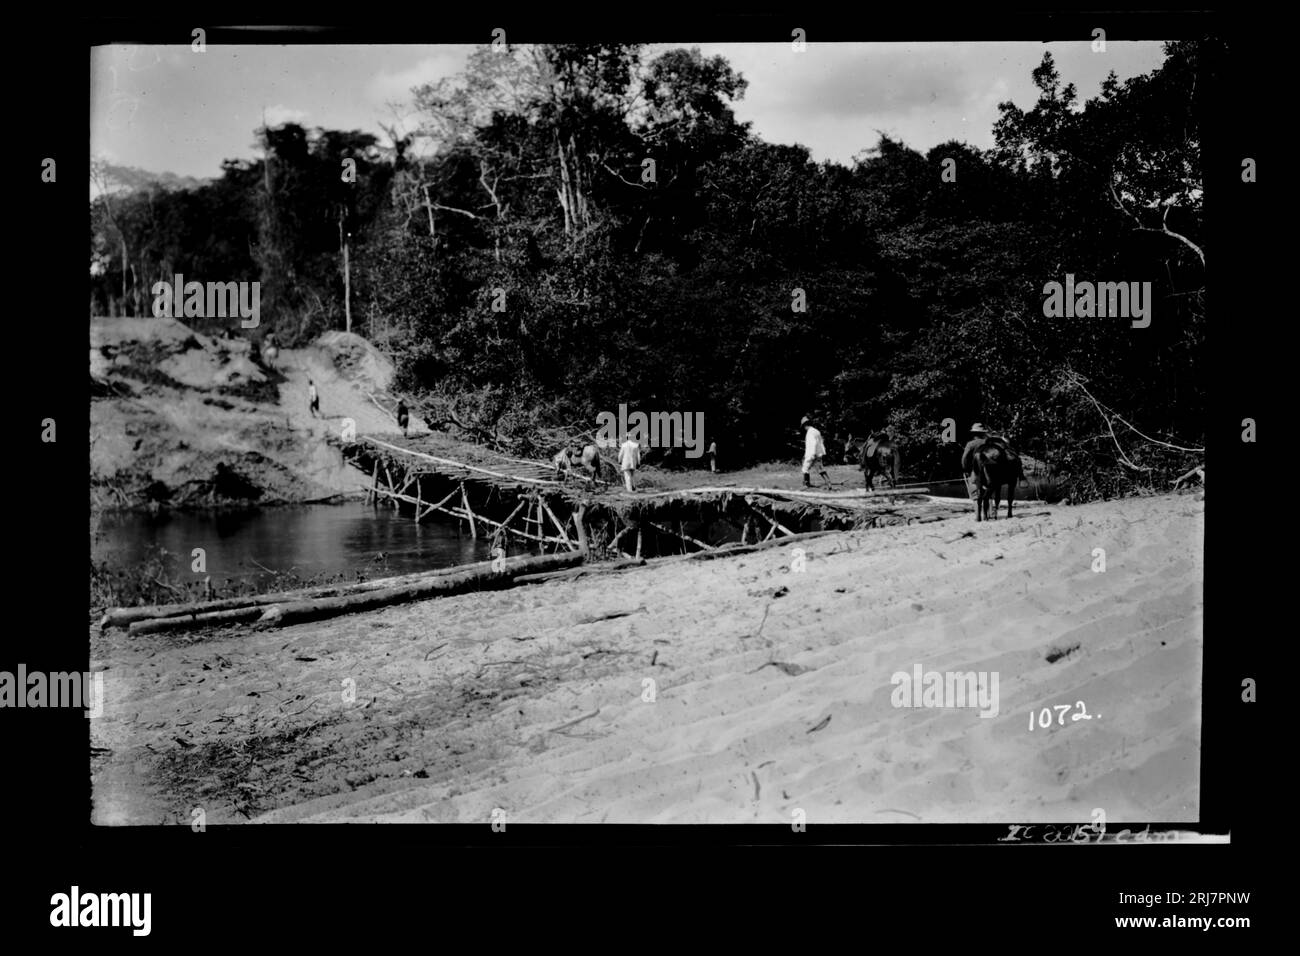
(996, 464)
(879, 456)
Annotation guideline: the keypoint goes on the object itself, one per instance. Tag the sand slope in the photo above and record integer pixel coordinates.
(763, 704)
(176, 429)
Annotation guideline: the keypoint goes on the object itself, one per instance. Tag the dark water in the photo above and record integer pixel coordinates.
(308, 540)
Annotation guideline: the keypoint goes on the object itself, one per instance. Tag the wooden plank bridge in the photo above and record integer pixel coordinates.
(512, 499)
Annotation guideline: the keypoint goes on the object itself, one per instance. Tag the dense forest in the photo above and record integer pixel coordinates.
(574, 227)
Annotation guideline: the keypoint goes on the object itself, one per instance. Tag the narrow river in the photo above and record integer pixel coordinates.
(308, 540)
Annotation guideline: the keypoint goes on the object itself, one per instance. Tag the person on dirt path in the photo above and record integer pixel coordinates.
(814, 453)
(981, 435)
(403, 416)
(313, 398)
(713, 455)
(629, 460)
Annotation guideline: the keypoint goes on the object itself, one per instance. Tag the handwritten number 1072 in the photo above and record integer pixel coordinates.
(1044, 716)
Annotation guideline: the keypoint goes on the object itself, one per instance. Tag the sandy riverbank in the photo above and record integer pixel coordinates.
(763, 704)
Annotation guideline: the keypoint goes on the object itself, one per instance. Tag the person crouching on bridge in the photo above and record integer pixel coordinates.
(629, 459)
(591, 463)
(814, 451)
(563, 463)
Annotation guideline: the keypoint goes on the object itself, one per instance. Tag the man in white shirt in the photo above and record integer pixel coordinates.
(629, 459)
(814, 450)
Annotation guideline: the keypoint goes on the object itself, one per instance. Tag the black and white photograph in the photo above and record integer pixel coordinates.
(514, 437)
(648, 433)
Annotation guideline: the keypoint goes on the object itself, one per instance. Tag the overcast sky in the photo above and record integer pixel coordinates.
(166, 109)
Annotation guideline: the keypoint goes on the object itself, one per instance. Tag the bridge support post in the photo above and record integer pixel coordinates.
(578, 518)
(469, 513)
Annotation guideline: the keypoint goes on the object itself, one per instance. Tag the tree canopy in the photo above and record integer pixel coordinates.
(570, 227)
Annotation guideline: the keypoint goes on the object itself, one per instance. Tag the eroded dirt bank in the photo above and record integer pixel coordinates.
(184, 419)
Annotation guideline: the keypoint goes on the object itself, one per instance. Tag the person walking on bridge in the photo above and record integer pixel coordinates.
(629, 460)
(403, 416)
(814, 451)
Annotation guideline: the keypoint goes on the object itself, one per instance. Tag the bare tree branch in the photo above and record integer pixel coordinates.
(618, 176)
(1164, 225)
(463, 212)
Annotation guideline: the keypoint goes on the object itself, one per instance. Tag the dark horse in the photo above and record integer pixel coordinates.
(995, 465)
(877, 456)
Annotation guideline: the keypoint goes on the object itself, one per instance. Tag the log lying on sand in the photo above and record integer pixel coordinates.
(202, 613)
(474, 578)
(234, 615)
(119, 617)
(123, 616)
(571, 573)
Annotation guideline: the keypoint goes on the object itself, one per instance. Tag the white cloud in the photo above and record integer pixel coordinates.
(390, 86)
(279, 114)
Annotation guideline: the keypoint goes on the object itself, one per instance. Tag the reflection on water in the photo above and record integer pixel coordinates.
(309, 540)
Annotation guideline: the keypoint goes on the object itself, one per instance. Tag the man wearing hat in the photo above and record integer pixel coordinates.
(981, 435)
(814, 450)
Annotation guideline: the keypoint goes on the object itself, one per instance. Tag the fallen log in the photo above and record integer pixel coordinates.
(570, 573)
(130, 615)
(188, 622)
(476, 578)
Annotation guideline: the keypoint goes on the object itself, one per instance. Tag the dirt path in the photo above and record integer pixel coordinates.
(173, 405)
(340, 396)
(772, 690)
